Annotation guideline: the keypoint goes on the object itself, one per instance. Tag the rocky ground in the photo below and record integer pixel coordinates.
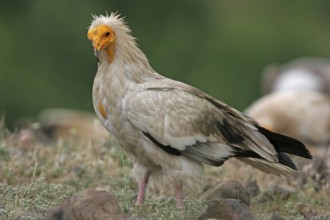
(75, 177)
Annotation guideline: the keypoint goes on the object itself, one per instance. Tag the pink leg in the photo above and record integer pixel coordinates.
(142, 189)
(179, 196)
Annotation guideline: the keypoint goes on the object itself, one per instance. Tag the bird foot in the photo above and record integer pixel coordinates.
(179, 197)
(142, 189)
(180, 205)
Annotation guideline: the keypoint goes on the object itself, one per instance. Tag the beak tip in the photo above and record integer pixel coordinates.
(97, 54)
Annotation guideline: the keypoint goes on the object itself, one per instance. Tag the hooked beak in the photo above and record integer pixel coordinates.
(102, 38)
(97, 54)
(97, 48)
(96, 41)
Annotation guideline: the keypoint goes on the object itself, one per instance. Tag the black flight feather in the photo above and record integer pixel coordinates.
(167, 148)
(229, 132)
(286, 144)
(282, 157)
(285, 160)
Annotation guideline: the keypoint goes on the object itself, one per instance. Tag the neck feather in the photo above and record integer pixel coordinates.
(130, 60)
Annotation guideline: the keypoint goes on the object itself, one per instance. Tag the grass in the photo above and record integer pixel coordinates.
(31, 201)
(37, 176)
(299, 205)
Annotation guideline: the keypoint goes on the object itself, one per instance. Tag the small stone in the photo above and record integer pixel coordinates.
(306, 211)
(26, 139)
(284, 193)
(2, 206)
(88, 204)
(318, 170)
(227, 209)
(228, 190)
(252, 188)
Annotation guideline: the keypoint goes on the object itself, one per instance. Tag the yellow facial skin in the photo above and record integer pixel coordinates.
(103, 37)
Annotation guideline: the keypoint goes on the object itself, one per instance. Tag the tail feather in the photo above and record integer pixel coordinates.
(286, 144)
(285, 160)
(283, 145)
(268, 166)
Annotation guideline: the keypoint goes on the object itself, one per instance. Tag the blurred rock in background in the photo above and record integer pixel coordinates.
(59, 124)
(297, 101)
(309, 73)
(304, 115)
(56, 123)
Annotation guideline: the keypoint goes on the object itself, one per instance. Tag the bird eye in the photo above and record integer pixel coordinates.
(107, 34)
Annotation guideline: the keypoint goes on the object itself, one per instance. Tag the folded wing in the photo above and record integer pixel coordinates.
(183, 121)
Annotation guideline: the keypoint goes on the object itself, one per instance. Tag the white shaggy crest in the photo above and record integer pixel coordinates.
(113, 20)
(126, 46)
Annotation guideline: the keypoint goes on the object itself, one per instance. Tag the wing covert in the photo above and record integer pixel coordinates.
(173, 117)
(181, 118)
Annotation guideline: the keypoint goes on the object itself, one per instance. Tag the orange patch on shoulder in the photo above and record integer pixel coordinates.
(102, 110)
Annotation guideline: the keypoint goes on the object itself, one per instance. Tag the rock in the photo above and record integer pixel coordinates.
(319, 171)
(228, 190)
(227, 209)
(252, 188)
(88, 204)
(26, 139)
(306, 211)
(274, 216)
(281, 192)
(58, 123)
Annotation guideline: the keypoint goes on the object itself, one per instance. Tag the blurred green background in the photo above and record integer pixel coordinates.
(221, 47)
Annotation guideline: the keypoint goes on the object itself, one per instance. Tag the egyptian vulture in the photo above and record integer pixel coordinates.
(170, 129)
